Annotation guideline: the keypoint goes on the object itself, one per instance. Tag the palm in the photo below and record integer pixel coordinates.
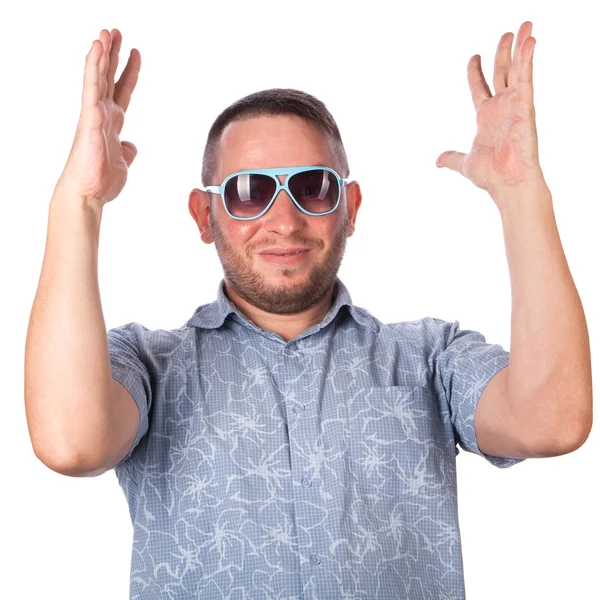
(105, 169)
(504, 151)
(505, 146)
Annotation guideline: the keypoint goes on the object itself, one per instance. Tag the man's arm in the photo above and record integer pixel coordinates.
(545, 394)
(78, 423)
(545, 398)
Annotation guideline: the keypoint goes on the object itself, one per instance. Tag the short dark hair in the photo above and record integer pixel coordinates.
(275, 101)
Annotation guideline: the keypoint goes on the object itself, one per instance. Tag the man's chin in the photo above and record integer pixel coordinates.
(286, 280)
(282, 273)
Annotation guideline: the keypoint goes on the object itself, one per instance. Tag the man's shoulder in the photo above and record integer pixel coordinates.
(147, 340)
(426, 333)
(421, 329)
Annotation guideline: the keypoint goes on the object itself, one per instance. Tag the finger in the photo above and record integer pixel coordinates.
(522, 35)
(129, 152)
(502, 62)
(128, 80)
(91, 93)
(452, 160)
(525, 77)
(103, 68)
(117, 38)
(480, 91)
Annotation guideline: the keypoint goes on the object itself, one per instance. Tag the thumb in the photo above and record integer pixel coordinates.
(452, 160)
(129, 152)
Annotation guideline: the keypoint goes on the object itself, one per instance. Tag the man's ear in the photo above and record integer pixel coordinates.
(199, 207)
(353, 202)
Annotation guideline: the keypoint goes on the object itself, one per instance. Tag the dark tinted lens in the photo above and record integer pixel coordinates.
(316, 191)
(247, 195)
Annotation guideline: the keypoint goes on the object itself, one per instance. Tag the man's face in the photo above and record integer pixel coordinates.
(276, 141)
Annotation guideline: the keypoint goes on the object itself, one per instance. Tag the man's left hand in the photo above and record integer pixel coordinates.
(504, 155)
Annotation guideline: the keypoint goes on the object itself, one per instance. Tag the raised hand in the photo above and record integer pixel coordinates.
(505, 149)
(97, 166)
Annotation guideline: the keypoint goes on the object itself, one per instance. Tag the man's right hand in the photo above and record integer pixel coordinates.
(96, 169)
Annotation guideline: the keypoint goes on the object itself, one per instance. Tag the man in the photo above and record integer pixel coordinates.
(284, 443)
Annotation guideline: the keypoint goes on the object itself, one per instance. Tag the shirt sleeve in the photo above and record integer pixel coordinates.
(128, 368)
(464, 368)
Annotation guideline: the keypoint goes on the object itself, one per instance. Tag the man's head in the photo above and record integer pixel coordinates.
(276, 128)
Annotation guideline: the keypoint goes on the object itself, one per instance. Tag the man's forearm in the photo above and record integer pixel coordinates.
(67, 368)
(550, 379)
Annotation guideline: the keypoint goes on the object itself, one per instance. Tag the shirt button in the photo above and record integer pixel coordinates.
(314, 559)
(292, 345)
(302, 407)
(306, 481)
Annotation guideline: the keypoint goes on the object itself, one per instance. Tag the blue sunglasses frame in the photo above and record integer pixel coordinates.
(289, 171)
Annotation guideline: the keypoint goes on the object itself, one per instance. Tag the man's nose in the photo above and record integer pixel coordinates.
(283, 215)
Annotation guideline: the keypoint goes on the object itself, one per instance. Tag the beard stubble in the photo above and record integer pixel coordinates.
(287, 297)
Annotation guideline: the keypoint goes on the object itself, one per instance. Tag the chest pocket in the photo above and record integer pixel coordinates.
(397, 444)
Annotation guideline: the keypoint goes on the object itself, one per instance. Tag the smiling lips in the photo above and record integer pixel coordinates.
(285, 258)
(283, 251)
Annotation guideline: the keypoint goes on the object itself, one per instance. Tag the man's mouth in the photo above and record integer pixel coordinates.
(285, 258)
(284, 252)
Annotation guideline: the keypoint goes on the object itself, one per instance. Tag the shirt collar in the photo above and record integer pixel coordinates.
(213, 315)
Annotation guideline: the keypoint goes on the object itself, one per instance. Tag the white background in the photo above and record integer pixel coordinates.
(427, 243)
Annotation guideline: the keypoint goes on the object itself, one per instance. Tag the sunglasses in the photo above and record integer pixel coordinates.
(249, 194)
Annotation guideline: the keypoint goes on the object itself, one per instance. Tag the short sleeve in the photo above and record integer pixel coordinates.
(128, 368)
(464, 368)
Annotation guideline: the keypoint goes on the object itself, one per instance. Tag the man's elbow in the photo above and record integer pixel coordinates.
(579, 438)
(568, 441)
(69, 465)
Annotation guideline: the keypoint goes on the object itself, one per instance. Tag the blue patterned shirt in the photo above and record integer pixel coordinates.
(319, 468)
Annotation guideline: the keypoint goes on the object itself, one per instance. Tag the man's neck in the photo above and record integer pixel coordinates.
(287, 326)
